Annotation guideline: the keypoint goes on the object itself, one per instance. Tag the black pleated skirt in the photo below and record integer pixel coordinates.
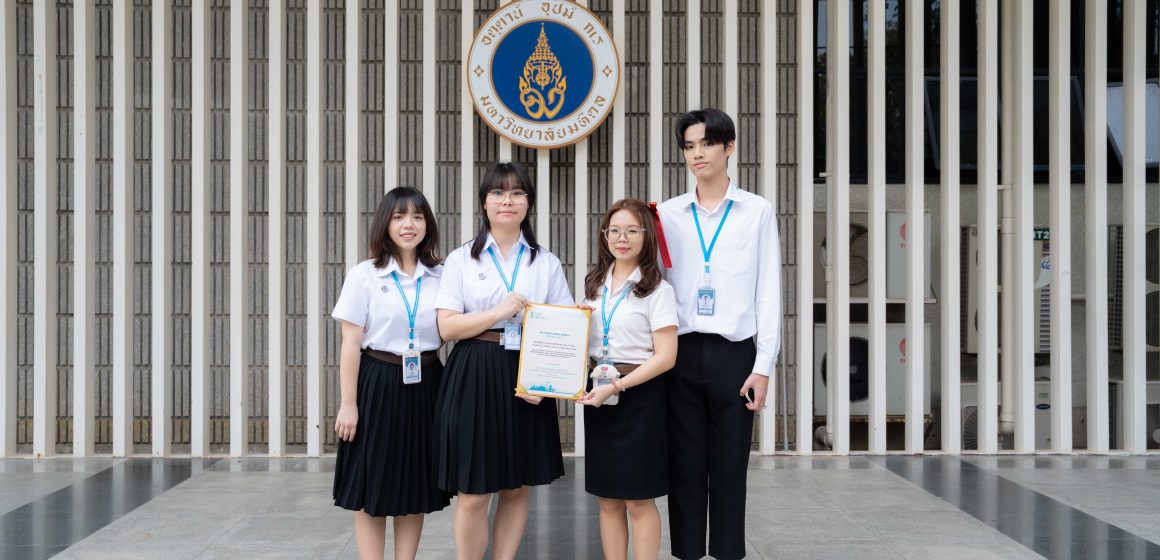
(487, 439)
(626, 454)
(387, 470)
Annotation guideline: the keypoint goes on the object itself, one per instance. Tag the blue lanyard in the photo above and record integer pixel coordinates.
(701, 236)
(606, 315)
(511, 287)
(412, 312)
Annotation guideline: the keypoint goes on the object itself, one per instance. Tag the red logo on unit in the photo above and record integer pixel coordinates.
(902, 349)
(902, 235)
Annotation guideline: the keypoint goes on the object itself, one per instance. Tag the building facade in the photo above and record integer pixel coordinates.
(187, 182)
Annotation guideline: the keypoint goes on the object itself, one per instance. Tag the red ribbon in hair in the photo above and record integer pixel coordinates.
(664, 247)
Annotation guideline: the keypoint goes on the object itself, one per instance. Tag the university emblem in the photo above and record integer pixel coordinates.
(543, 74)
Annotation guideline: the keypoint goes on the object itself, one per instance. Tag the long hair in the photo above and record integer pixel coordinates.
(402, 200)
(506, 176)
(650, 271)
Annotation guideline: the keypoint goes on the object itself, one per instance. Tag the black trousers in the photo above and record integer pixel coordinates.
(709, 441)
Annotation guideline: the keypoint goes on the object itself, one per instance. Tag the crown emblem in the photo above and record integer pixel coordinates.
(542, 70)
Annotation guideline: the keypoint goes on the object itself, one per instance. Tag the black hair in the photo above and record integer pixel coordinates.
(719, 127)
(506, 176)
(402, 199)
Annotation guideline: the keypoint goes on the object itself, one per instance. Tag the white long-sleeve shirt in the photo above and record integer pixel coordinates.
(745, 264)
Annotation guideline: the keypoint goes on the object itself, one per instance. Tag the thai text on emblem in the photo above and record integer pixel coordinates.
(542, 70)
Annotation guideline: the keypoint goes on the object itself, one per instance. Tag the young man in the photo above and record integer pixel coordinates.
(726, 266)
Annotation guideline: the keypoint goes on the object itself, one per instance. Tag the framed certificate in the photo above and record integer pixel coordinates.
(554, 352)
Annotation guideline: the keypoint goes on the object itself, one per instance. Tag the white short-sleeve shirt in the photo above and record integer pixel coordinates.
(470, 285)
(371, 300)
(632, 325)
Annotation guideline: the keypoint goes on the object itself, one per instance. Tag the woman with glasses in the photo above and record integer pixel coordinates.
(389, 376)
(633, 340)
(489, 440)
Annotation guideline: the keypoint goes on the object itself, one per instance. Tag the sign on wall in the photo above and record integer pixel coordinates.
(543, 74)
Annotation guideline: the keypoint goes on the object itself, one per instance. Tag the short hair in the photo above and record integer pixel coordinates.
(719, 127)
(382, 248)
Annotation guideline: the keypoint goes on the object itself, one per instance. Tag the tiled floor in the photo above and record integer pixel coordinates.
(1005, 507)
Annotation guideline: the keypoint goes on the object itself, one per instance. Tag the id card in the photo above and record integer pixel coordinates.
(706, 301)
(412, 367)
(511, 336)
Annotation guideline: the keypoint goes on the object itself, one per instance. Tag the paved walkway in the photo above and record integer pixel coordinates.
(1007, 507)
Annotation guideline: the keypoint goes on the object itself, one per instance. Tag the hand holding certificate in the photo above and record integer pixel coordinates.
(554, 352)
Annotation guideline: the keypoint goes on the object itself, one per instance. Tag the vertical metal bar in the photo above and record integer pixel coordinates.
(731, 92)
(314, 185)
(44, 436)
(619, 132)
(352, 223)
(805, 296)
(1023, 186)
(239, 235)
(876, 164)
(430, 101)
(1134, 419)
(544, 198)
(277, 229)
(162, 230)
(391, 91)
(1059, 114)
(85, 226)
(769, 38)
(1096, 220)
(8, 205)
(915, 184)
(949, 216)
(466, 134)
(693, 56)
(838, 245)
(200, 393)
(580, 263)
(657, 135)
(987, 290)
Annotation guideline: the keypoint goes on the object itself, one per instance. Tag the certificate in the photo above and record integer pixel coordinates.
(554, 352)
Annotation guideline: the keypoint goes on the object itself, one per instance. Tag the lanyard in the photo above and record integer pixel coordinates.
(606, 315)
(701, 236)
(412, 312)
(511, 287)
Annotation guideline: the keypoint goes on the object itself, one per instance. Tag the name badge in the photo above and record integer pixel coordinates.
(706, 301)
(511, 336)
(412, 367)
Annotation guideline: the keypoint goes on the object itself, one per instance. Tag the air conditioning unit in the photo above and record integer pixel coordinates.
(1151, 413)
(1151, 287)
(969, 282)
(859, 370)
(859, 232)
(969, 399)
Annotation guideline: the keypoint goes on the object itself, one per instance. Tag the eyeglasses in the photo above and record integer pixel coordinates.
(517, 195)
(631, 234)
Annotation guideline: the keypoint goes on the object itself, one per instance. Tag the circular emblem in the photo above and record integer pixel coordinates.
(543, 74)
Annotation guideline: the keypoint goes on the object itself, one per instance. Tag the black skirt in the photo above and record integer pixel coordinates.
(626, 455)
(486, 438)
(387, 470)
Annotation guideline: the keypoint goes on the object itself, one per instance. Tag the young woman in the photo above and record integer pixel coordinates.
(390, 376)
(487, 439)
(633, 340)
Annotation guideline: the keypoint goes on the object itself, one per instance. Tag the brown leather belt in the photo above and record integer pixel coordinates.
(624, 369)
(489, 336)
(427, 358)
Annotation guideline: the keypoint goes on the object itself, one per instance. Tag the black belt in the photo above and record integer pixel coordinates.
(427, 358)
